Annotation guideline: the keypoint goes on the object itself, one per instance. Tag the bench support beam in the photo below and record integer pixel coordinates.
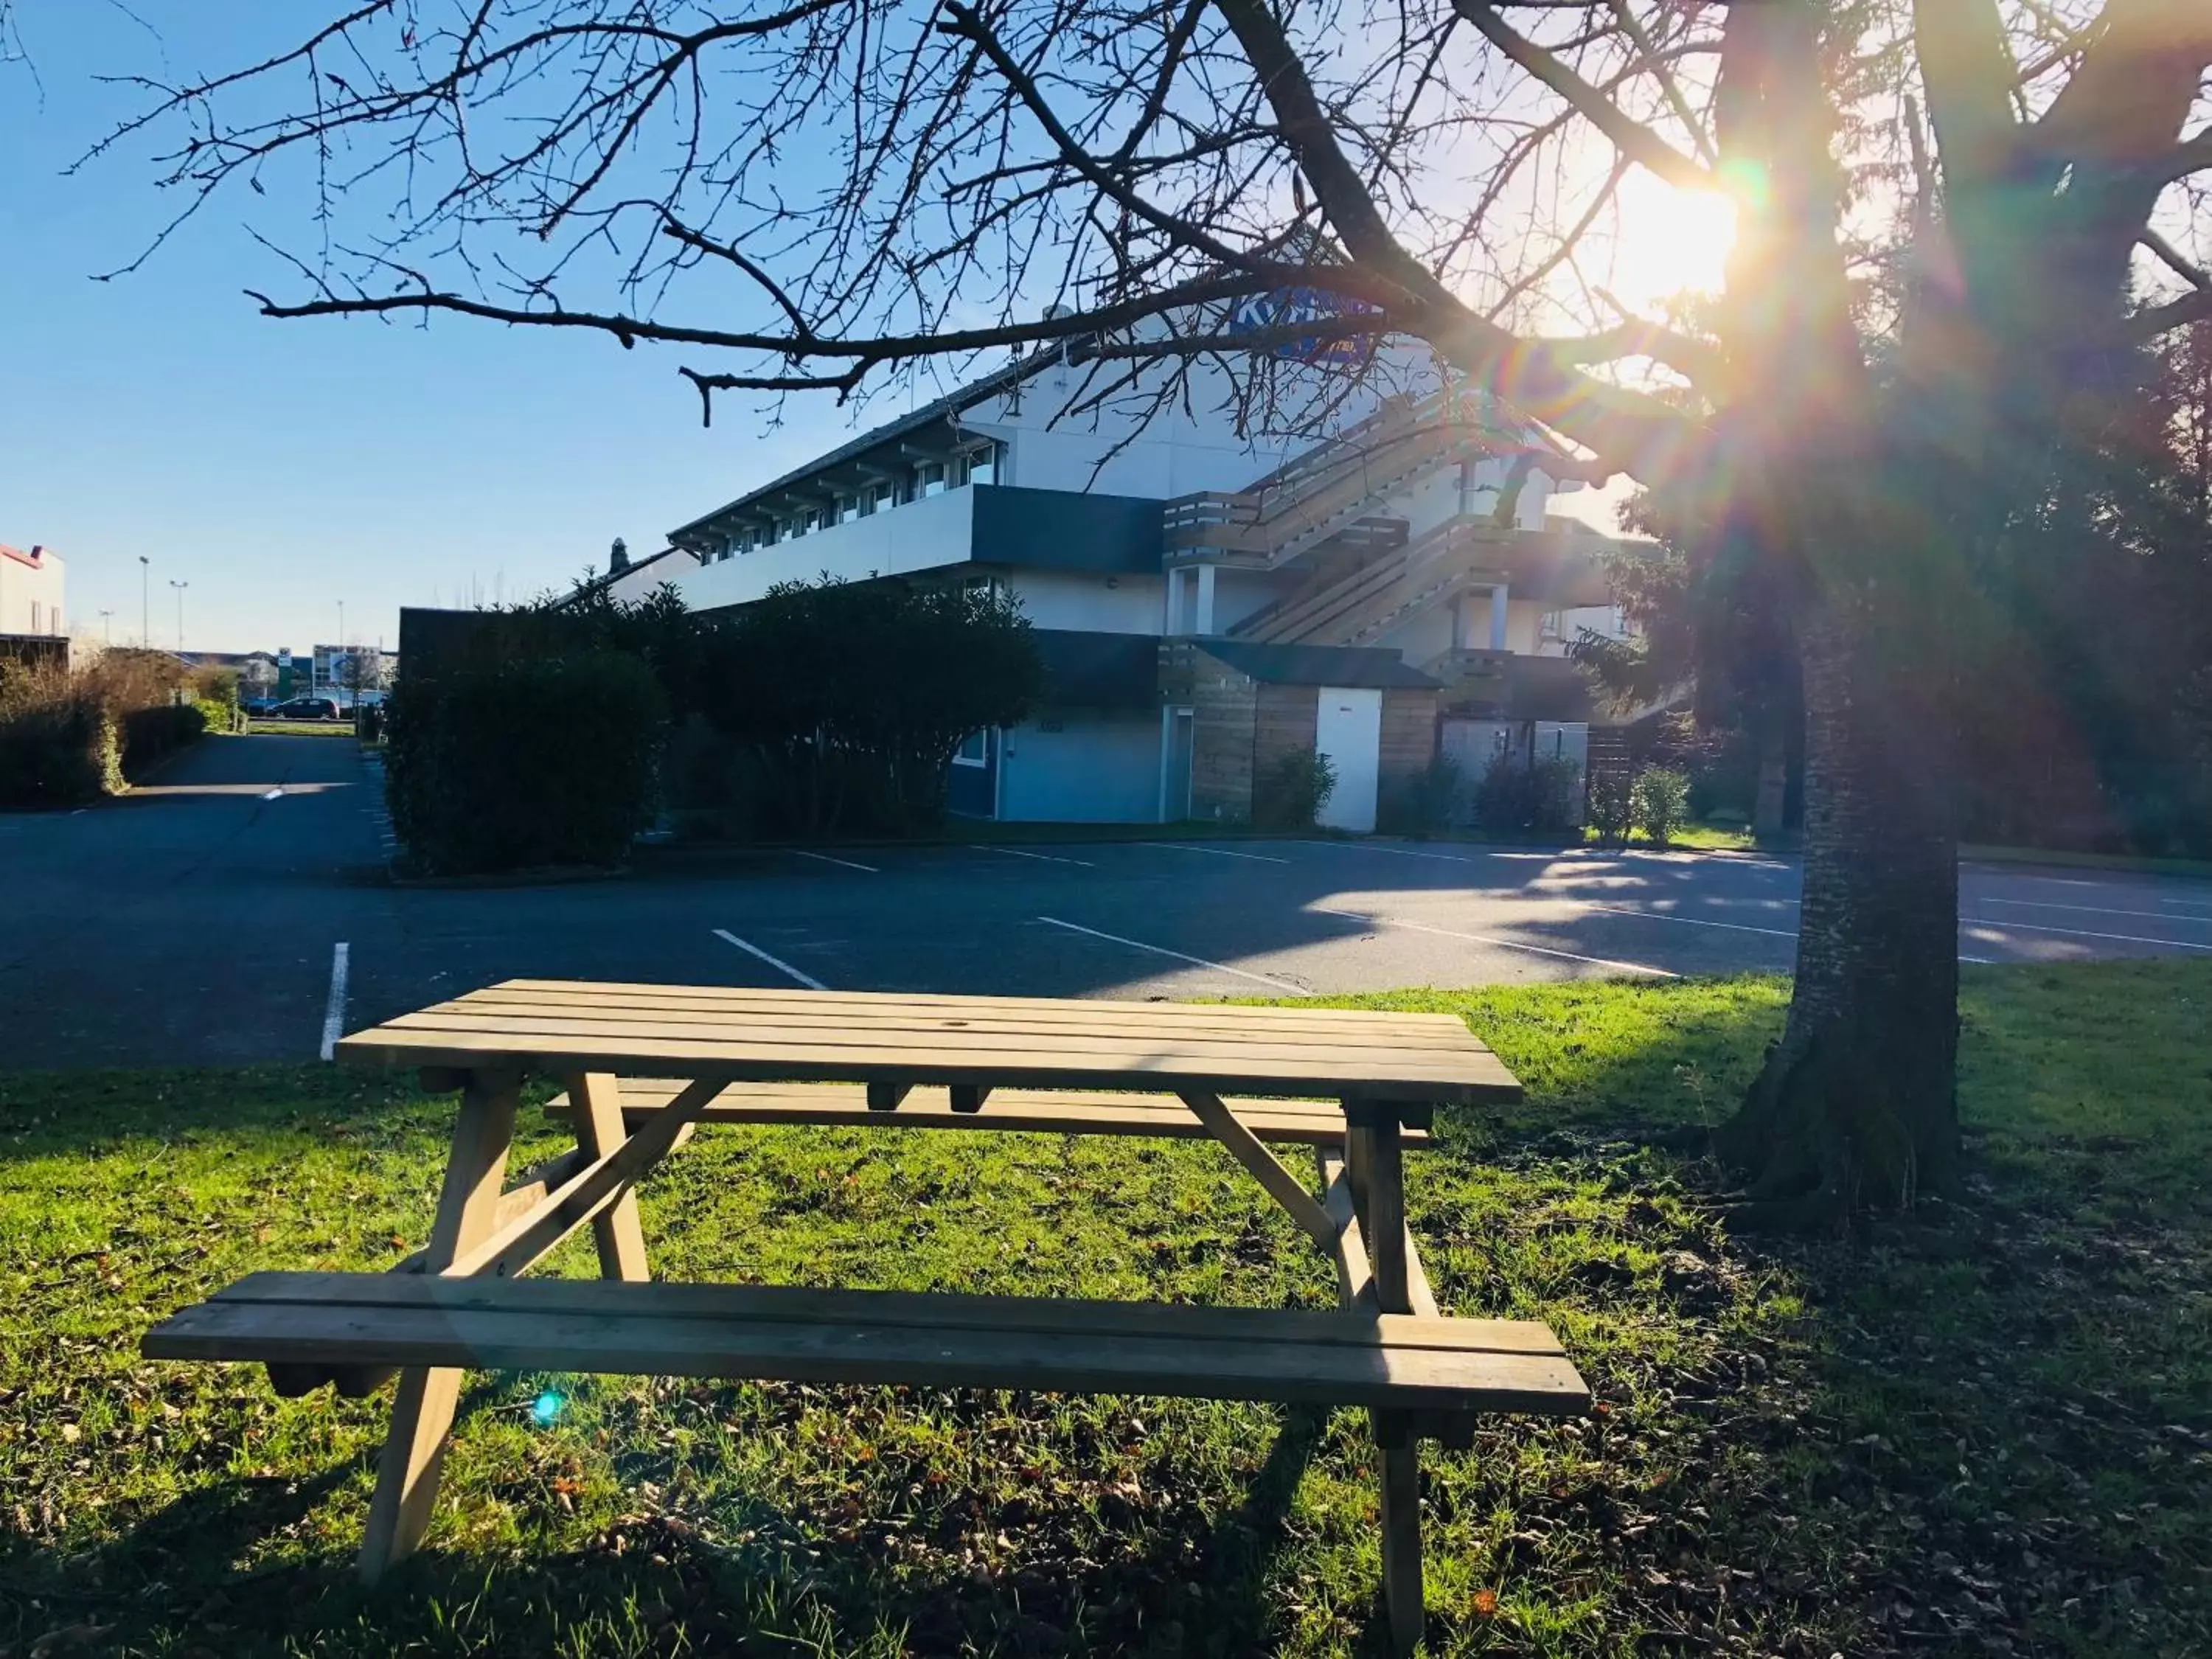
(515, 1245)
(1375, 1161)
(422, 1412)
(1281, 1184)
(597, 1101)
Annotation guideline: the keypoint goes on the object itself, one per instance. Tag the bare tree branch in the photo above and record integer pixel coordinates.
(1632, 138)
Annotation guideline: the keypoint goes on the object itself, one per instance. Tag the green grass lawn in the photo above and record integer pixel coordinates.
(1986, 1430)
(267, 728)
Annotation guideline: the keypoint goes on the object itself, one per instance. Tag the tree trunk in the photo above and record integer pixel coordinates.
(1766, 811)
(1857, 1105)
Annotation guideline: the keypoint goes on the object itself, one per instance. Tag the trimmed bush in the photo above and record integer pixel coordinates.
(1514, 800)
(1425, 804)
(1289, 794)
(1660, 803)
(523, 763)
(58, 742)
(852, 697)
(154, 734)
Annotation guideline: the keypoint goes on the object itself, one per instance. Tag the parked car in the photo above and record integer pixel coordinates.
(306, 708)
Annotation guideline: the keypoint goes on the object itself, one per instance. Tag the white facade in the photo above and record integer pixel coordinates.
(32, 599)
(642, 579)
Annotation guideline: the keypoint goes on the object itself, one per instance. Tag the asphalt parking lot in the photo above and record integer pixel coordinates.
(236, 909)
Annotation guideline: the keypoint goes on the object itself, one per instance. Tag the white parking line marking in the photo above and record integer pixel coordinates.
(825, 858)
(2095, 909)
(334, 1010)
(1185, 847)
(2081, 932)
(1687, 922)
(1501, 943)
(1397, 852)
(776, 963)
(1163, 951)
(2187, 904)
(1016, 852)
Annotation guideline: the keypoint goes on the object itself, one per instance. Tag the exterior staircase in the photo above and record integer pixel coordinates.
(1358, 606)
(1325, 496)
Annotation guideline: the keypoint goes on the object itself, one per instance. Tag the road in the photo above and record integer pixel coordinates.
(199, 919)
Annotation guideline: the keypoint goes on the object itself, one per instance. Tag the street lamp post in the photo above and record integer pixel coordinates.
(107, 627)
(145, 603)
(180, 587)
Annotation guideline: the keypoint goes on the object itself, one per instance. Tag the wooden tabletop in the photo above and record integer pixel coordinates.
(558, 1027)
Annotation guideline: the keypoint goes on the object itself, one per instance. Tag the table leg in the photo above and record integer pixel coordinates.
(422, 1409)
(1373, 1149)
(597, 1100)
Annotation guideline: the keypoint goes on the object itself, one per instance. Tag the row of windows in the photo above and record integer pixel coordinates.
(928, 479)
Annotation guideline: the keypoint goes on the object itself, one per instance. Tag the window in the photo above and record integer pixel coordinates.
(848, 508)
(975, 750)
(930, 474)
(983, 465)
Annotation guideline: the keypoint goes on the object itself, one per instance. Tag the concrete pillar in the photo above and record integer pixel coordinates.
(1497, 617)
(1203, 621)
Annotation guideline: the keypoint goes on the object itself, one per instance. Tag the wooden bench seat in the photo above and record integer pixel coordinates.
(1067, 1111)
(1403, 1363)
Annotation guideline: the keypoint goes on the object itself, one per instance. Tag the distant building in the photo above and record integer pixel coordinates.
(350, 673)
(32, 600)
(256, 670)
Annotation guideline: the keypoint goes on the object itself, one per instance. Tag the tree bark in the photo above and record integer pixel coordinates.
(1857, 1105)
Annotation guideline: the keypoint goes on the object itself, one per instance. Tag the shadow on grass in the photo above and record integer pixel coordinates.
(1984, 1429)
(651, 1582)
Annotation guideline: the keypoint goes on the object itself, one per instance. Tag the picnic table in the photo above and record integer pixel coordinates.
(643, 1066)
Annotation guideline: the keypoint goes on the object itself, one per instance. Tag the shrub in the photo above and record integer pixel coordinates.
(1514, 799)
(154, 734)
(524, 763)
(1290, 794)
(215, 693)
(1611, 804)
(1660, 803)
(852, 697)
(1425, 804)
(57, 741)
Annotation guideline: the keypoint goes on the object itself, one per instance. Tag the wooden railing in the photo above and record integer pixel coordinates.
(1312, 500)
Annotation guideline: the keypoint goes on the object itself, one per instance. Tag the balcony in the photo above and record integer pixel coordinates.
(974, 524)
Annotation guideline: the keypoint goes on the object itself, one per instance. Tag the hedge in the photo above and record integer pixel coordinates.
(152, 734)
(523, 763)
(57, 746)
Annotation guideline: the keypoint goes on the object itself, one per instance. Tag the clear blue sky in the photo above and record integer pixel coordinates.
(281, 467)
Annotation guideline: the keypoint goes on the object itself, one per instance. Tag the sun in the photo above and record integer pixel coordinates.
(1670, 242)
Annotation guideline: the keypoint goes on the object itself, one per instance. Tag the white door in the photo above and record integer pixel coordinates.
(1348, 729)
